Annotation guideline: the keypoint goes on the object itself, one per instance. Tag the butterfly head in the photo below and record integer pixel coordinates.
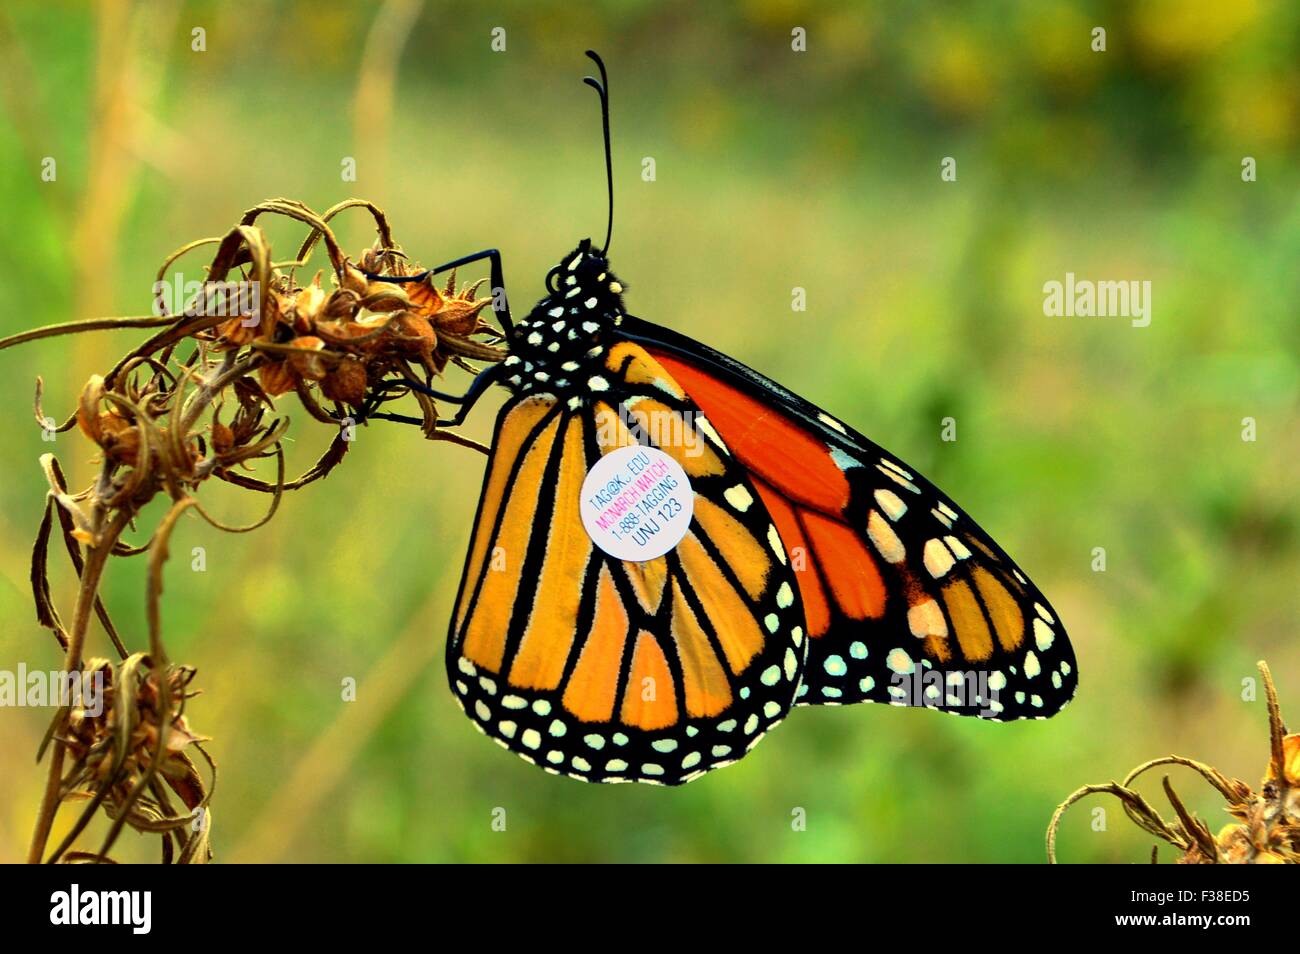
(566, 334)
(585, 269)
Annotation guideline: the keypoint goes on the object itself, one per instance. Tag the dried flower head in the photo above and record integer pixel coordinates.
(129, 746)
(196, 400)
(1267, 829)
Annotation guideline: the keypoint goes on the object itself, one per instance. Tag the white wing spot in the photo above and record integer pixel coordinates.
(885, 539)
(926, 619)
(957, 547)
(831, 422)
(898, 479)
(739, 497)
(843, 459)
(895, 468)
(938, 558)
(900, 662)
(1043, 635)
(702, 424)
(1032, 668)
(891, 504)
(774, 541)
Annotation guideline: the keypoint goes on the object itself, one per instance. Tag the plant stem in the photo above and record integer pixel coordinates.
(92, 573)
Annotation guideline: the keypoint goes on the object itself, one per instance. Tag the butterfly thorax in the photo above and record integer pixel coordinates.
(561, 345)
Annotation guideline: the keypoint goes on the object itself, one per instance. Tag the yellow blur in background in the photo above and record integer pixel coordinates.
(773, 170)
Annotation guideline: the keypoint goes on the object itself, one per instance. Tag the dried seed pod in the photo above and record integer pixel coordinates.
(88, 407)
(276, 378)
(385, 297)
(341, 304)
(353, 279)
(413, 333)
(119, 438)
(223, 438)
(343, 333)
(304, 361)
(460, 316)
(347, 382)
(425, 297)
(242, 329)
(1290, 760)
(307, 306)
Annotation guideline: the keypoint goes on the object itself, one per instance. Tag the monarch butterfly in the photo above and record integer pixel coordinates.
(817, 568)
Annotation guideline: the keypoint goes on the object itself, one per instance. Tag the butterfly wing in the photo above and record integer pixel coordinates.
(907, 600)
(609, 670)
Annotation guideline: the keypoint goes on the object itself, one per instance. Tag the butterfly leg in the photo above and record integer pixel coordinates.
(482, 381)
(499, 295)
(477, 388)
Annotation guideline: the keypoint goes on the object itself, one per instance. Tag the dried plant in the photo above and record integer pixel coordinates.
(1267, 825)
(196, 401)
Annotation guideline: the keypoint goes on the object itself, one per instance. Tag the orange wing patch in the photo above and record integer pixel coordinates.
(746, 557)
(1004, 611)
(649, 701)
(816, 608)
(485, 634)
(514, 431)
(849, 566)
(779, 451)
(734, 622)
(968, 621)
(594, 684)
(708, 691)
(540, 661)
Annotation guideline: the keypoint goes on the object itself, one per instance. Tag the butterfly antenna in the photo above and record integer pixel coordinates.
(601, 86)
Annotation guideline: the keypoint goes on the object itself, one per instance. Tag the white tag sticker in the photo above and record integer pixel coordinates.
(637, 503)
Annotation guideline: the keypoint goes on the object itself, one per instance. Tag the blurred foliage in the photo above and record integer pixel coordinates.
(774, 169)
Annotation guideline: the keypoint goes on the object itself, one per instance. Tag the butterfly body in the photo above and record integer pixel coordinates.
(558, 348)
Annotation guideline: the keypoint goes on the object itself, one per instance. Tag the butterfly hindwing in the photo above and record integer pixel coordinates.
(907, 600)
(610, 670)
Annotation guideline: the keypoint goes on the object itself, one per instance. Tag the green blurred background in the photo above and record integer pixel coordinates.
(775, 169)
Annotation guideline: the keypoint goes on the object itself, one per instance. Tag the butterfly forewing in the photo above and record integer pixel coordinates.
(611, 670)
(906, 599)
